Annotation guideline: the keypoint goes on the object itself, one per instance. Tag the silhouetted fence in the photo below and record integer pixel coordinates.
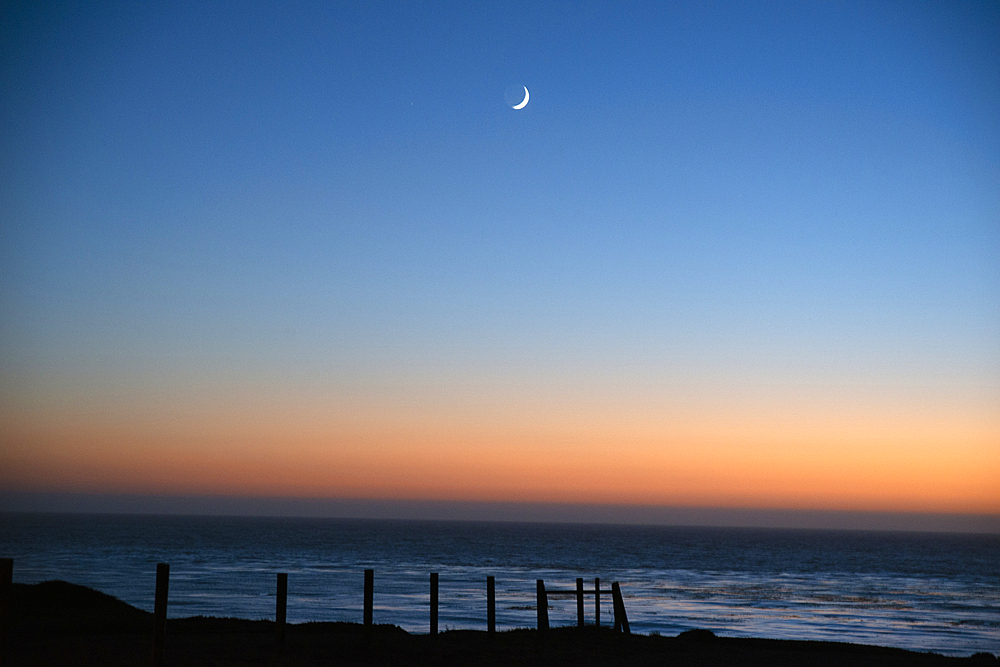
(6, 593)
(542, 603)
(160, 612)
(281, 605)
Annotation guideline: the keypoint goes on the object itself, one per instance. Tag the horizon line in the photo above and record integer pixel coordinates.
(497, 511)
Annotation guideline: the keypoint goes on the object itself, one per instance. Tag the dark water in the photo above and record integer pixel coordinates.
(922, 591)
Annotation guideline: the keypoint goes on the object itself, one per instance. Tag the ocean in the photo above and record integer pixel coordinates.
(935, 592)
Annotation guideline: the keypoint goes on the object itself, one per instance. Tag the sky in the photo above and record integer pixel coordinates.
(742, 256)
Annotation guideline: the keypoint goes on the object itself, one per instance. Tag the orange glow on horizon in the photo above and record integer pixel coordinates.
(765, 462)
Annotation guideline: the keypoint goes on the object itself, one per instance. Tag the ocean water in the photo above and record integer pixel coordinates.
(922, 591)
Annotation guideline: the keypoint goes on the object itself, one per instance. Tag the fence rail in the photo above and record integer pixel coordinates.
(368, 618)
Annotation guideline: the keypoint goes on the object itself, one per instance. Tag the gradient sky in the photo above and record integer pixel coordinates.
(729, 255)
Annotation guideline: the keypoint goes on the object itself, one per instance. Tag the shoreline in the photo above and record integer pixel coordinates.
(63, 623)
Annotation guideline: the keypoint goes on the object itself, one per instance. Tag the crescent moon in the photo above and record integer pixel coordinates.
(524, 102)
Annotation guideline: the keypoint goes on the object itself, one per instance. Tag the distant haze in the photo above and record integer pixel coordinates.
(482, 511)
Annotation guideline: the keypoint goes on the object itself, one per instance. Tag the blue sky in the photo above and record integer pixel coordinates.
(714, 205)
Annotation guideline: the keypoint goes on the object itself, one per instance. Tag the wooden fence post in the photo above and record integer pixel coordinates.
(579, 602)
(597, 601)
(491, 605)
(369, 597)
(160, 612)
(542, 602)
(434, 603)
(6, 599)
(614, 607)
(621, 618)
(281, 608)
